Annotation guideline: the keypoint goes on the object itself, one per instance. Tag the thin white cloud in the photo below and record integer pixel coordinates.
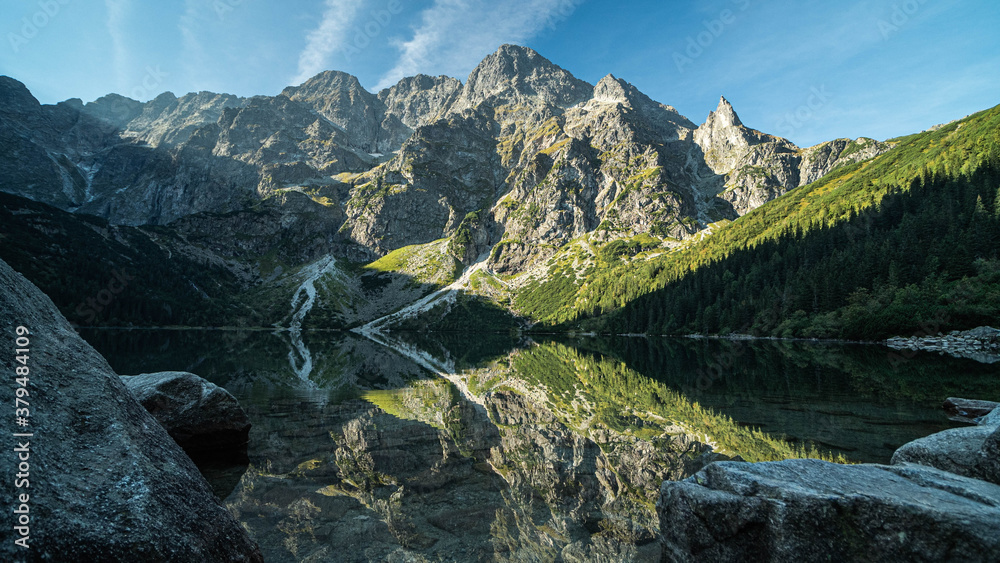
(331, 36)
(116, 23)
(454, 35)
(196, 63)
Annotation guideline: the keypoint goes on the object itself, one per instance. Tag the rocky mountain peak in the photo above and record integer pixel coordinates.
(340, 98)
(724, 115)
(515, 72)
(421, 99)
(326, 83)
(14, 96)
(115, 109)
(611, 90)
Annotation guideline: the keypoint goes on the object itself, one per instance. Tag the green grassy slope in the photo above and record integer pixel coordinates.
(904, 242)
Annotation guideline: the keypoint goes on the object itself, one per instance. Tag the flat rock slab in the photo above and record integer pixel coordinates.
(809, 510)
(200, 416)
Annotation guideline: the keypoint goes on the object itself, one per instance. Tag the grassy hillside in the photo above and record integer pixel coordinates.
(902, 243)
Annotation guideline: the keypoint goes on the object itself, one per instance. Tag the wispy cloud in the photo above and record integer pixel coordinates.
(454, 35)
(196, 63)
(116, 23)
(331, 36)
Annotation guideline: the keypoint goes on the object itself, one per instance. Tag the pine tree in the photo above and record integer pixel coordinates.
(996, 205)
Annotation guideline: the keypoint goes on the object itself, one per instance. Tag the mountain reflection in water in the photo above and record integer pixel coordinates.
(531, 450)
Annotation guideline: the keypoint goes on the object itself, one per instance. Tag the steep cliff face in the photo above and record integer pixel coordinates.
(421, 100)
(340, 98)
(170, 121)
(753, 168)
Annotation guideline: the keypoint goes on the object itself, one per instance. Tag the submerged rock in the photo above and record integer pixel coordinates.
(810, 510)
(200, 416)
(106, 481)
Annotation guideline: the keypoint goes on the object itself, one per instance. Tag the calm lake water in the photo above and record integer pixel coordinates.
(529, 449)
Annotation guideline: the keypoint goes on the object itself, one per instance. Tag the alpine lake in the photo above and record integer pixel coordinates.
(496, 447)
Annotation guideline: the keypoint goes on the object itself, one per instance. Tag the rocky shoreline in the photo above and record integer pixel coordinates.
(980, 344)
(938, 500)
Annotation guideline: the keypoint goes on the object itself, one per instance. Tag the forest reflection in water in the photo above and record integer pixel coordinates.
(530, 449)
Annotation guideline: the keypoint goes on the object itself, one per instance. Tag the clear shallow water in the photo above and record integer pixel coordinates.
(538, 451)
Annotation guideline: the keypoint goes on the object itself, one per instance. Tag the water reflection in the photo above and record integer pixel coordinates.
(536, 451)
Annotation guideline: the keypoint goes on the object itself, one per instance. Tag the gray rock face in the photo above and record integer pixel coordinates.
(980, 344)
(968, 410)
(170, 121)
(991, 453)
(754, 168)
(958, 451)
(200, 416)
(421, 100)
(424, 193)
(517, 74)
(809, 510)
(340, 98)
(106, 481)
(115, 109)
(992, 419)
(547, 157)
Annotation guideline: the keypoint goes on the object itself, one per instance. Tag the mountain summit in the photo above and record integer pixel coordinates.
(538, 157)
(513, 73)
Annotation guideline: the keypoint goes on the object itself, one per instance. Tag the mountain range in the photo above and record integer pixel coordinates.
(520, 186)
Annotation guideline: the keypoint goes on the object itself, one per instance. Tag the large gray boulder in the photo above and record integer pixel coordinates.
(810, 510)
(200, 416)
(107, 483)
(991, 453)
(971, 451)
(991, 419)
(958, 451)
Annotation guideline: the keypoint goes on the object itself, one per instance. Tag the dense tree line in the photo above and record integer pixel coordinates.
(906, 244)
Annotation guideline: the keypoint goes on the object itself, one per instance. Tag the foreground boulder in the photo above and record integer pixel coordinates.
(107, 483)
(992, 419)
(970, 452)
(958, 451)
(810, 510)
(203, 418)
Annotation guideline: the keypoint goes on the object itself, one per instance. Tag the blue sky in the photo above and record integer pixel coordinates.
(808, 70)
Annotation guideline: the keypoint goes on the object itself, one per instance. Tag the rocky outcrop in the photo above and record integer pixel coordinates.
(981, 344)
(203, 418)
(170, 121)
(515, 74)
(753, 168)
(809, 510)
(968, 410)
(971, 451)
(958, 451)
(421, 100)
(340, 98)
(106, 481)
